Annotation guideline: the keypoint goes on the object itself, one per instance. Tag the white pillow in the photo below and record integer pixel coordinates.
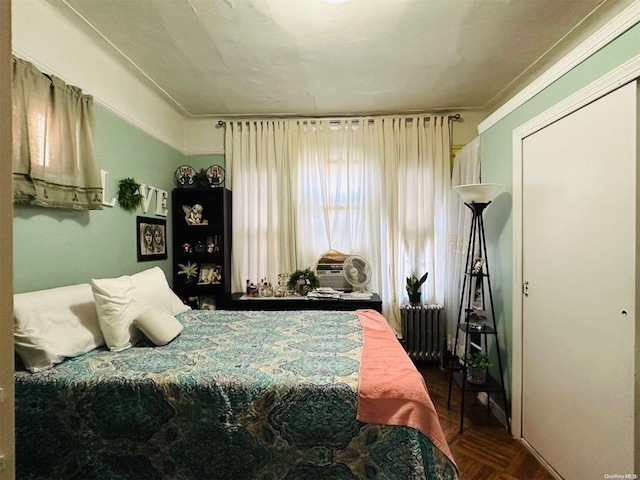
(50, 325)
(121, 300)
(158, 325)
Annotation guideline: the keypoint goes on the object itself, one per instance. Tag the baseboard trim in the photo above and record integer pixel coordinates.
(542, 461)
(495, 409)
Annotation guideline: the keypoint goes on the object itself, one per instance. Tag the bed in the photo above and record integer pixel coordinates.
(235, 395)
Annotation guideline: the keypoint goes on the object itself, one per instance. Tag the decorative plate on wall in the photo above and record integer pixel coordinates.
(215, 175)
(185, 176)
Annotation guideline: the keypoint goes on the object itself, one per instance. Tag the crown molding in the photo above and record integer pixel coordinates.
(617, 26)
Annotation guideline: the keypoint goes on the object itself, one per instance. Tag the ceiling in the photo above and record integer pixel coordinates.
(320, 58)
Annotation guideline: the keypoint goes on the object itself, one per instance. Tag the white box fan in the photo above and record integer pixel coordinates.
(357, 271)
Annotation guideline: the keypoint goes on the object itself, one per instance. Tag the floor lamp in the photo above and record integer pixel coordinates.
(477, 197)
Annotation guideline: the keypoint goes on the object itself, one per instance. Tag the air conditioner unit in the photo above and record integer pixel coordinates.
(330, 275)
(329, 271)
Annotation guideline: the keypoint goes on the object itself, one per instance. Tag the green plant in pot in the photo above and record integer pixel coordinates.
(413, 286)
(477, 364)
(303, 281)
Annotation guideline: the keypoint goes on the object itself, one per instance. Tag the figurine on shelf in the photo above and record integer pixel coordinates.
(193, 215)
(262, 289)
(265, 289)
(212, 244)
(283, 289)
(477, 265)
(216, 275)
(252, 289)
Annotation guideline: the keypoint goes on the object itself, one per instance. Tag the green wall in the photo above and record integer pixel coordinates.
(496, 154)
(57, 247)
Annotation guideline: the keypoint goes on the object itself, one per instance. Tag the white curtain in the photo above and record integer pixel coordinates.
(417, 157)
(374, 188)
(466, 170)
(338, 191)
(260, 174)
(339, 186)
(54, 160)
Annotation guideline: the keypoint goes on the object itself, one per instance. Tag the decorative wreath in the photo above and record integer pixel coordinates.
(129, 197)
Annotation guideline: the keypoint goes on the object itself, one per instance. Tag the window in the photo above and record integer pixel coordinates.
(372, 188)
(54, 162)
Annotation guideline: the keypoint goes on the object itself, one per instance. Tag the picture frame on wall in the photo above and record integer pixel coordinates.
(151, 238)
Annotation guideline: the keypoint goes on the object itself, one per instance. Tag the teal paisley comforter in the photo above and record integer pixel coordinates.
(238, 395)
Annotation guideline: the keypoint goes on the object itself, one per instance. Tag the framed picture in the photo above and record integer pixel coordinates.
(152, 239)
(207, 302)
(210, 274)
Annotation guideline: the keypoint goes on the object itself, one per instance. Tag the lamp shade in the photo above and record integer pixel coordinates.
(479, 192)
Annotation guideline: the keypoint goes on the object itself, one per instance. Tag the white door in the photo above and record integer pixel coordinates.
(579, 259)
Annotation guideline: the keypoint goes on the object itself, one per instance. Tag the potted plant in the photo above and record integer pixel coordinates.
(477, 364)
(190, 271)
(413, 287)
(303, 281)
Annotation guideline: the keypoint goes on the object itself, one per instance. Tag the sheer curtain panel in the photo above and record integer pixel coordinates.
(466, 170)
(339, 182)
(260, 174)
(54, 161)
(417, 165)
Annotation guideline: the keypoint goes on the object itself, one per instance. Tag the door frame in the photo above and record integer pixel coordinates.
(7, 410)
(618, 77)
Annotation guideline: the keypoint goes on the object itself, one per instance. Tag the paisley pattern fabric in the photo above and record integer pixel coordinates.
(237, 395)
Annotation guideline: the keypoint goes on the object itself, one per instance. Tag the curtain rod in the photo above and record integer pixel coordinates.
(221, 123)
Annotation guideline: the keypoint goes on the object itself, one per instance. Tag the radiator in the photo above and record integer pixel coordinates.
(423, 332)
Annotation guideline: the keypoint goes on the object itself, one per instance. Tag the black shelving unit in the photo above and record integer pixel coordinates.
(476, 319)
(203, 241)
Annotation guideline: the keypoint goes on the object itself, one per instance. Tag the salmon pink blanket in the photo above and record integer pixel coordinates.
(390, 389)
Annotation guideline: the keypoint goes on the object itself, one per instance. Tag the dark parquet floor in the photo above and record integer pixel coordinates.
(485, 450)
